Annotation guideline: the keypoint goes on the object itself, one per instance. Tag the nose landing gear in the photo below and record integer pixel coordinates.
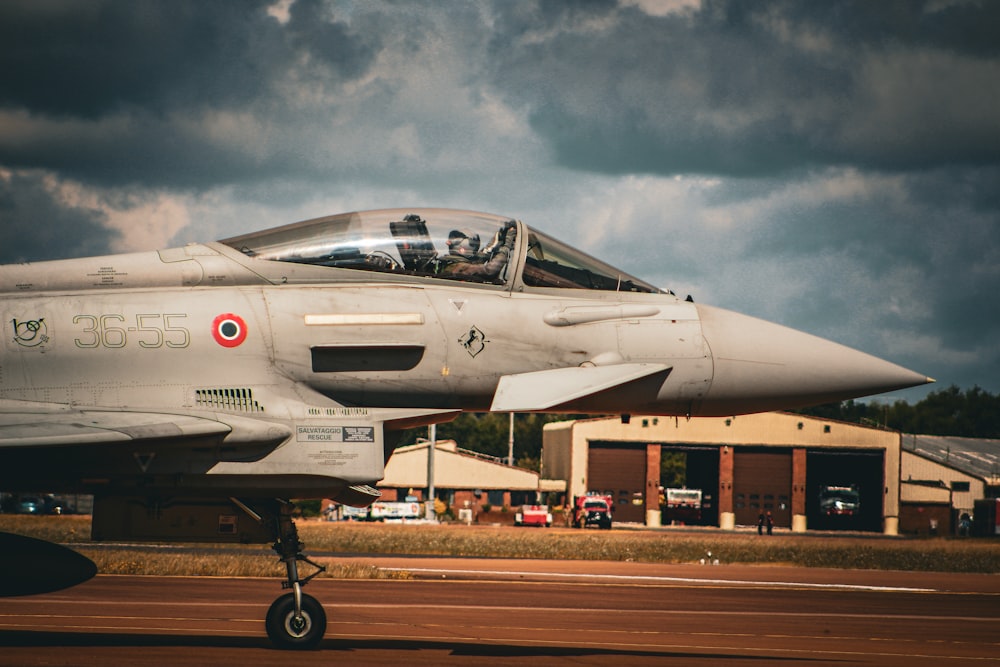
(295, 620)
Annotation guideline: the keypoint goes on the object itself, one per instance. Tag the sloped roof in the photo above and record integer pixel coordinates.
(974, 456)
(454, 468)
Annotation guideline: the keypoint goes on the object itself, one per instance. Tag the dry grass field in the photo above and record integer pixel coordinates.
(324, 540)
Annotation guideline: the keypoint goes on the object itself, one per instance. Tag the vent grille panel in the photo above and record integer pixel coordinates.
(235, 399)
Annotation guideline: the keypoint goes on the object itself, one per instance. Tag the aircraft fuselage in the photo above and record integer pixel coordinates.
(287, 359)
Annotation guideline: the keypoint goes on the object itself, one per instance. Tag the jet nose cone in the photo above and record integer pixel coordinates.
(761, 366)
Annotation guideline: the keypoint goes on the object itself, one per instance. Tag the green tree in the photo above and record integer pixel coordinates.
(973, 413)
(673, 469)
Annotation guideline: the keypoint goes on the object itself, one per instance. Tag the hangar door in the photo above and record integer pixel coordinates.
(701, 471)
(618, 469)
(855, 476)
(762, 482)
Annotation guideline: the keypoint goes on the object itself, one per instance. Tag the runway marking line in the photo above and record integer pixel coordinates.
(117, 629)
(672, 580)
(128, 618)
(661, 612)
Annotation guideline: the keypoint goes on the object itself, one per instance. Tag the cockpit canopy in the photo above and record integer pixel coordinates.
(426, 242)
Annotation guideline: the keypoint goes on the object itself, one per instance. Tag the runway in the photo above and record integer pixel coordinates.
(511, 612)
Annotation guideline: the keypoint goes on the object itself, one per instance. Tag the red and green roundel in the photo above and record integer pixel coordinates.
(229, 330)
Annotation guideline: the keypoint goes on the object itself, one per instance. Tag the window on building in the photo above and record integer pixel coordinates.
(522, 498)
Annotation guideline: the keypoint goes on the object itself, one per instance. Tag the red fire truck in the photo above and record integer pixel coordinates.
(592, 510)
(681, 506)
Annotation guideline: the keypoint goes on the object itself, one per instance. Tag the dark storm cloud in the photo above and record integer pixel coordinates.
(935, 233)
(89, 59)
(36, 226)
(125, 92)
(118, 92)
(92, 58)
(757, 88)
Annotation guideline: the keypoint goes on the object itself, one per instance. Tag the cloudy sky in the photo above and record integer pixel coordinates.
(832, 166)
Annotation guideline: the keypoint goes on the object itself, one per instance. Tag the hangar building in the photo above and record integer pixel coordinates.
(463, 478)
(943, 477)
(745, 466)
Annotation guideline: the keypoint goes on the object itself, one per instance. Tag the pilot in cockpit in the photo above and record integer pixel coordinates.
(464, 261)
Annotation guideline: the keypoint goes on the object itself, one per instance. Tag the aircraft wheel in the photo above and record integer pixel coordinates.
(303, 632)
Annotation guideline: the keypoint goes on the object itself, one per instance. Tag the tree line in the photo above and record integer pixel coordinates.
(972, 413)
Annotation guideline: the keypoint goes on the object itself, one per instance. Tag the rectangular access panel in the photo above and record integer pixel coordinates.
(762, 482)
(619, 470)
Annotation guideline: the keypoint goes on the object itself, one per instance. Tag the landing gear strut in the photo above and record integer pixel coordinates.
(295, 620)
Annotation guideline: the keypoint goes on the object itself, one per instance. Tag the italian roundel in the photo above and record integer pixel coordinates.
(229, 330)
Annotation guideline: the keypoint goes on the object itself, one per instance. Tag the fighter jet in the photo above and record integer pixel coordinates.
(194, 390)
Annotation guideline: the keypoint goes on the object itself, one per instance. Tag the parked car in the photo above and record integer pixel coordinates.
(31, 505)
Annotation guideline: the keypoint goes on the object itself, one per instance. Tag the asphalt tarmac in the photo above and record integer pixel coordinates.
(515, 612)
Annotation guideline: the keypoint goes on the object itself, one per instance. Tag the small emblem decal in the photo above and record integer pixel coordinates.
(30, 333)
(229, 330)
(144, 460)
(474, 342)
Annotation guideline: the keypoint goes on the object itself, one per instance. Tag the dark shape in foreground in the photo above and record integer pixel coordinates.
(30, 567)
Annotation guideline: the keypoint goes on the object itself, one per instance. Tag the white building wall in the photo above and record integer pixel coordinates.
(918, 468)
(556, 454)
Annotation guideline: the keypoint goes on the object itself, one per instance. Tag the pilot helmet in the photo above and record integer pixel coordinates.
(462, 243)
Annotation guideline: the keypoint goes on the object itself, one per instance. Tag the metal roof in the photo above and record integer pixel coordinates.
(973, 456)
(454, 468)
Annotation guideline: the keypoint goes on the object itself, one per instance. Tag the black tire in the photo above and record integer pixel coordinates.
(286, 632)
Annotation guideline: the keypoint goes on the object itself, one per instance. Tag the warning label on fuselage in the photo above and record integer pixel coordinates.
(335, 433)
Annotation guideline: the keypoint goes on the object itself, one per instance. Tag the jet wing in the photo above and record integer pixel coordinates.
(541, 390)
(24, 425)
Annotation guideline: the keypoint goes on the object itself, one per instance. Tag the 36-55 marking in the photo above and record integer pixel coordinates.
(115, 331)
